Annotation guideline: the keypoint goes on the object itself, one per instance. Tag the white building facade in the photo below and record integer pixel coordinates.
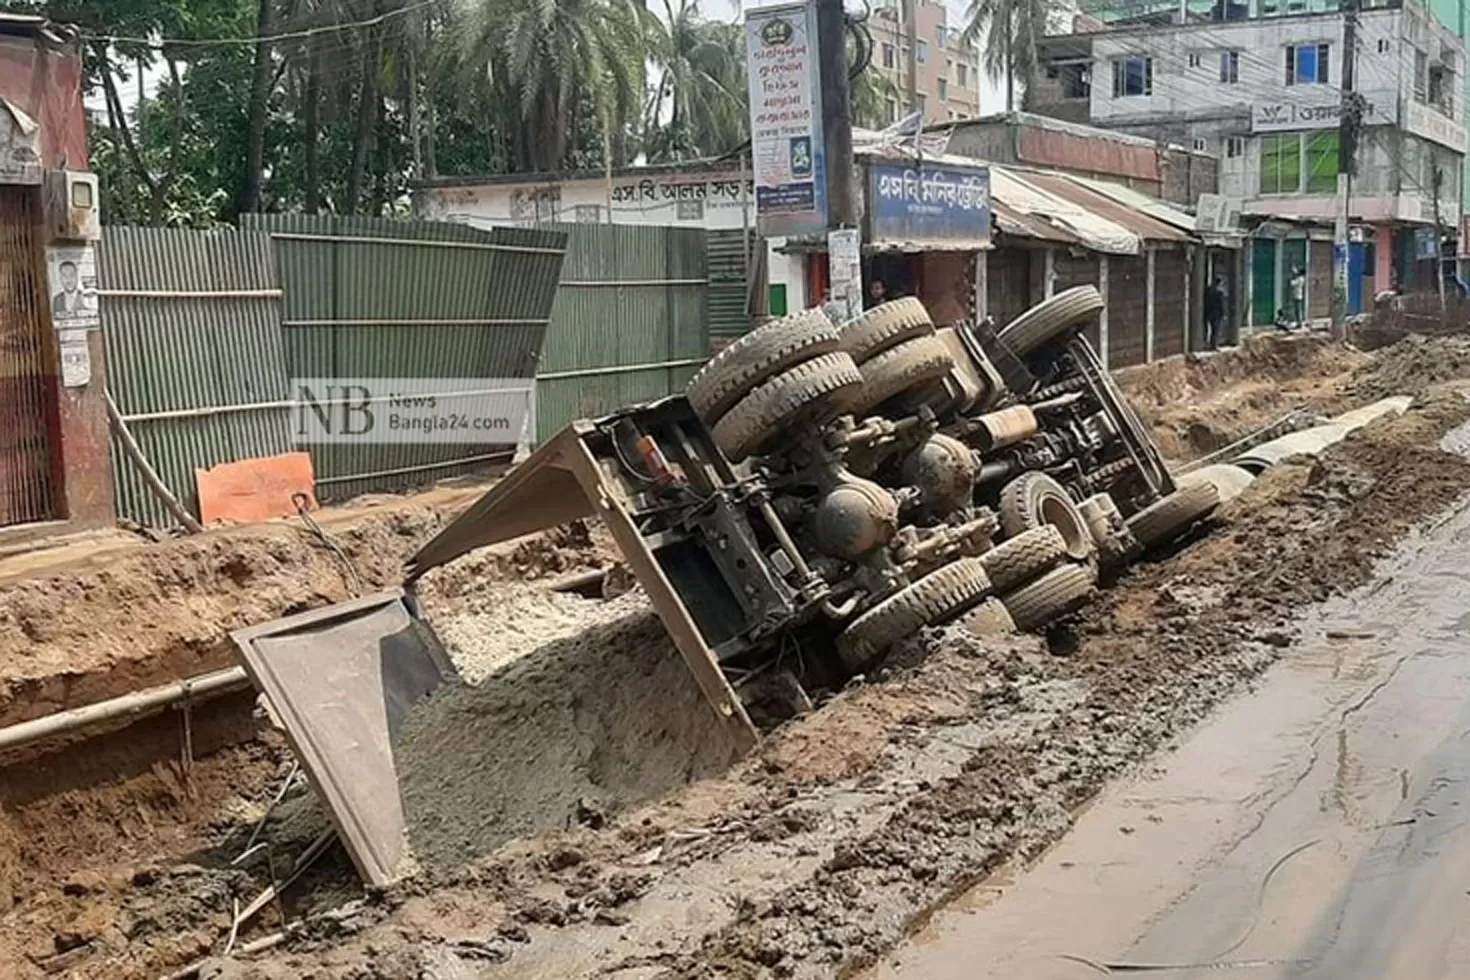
(1263, 93)
(691, 195)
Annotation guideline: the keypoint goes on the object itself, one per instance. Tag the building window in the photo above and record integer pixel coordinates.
(890, 58)
(1421, 76)
(943, 89)
(1383, 45)
(1133, 76)
(962, 72)
(1306, 64)
(1441, 84)
(939, 37)
(1194, 61)
(921, 51)
(1234, 146)
(1229, 67)
(1200, 145)
(1321, 163)
(1281, 163)
(1075, 79)
(892, 105)
(922, 104)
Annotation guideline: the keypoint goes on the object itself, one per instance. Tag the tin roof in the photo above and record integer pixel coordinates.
(1052, 213)
(1144, 226)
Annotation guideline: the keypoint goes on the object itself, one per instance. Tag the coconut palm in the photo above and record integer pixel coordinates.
(698, 107)
(1010, 29)
(548, 59)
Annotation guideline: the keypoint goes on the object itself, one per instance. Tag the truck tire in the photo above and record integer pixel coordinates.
(1018, 560)
(1050, 320)
(764, 352)
(1060, 591)
(896, 370)
(885, 326)
(944, 592)
(1169, 515)
(814, 391)
(1035, 499)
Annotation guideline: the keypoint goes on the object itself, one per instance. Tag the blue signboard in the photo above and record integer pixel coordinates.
(912, 202)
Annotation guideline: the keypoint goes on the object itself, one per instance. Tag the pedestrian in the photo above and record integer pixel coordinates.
(1214, 313)
(877, 293)
(1298, 297)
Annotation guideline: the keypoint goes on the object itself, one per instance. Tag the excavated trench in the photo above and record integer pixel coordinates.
(576, 780)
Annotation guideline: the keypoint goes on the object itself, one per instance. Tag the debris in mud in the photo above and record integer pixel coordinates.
(1413, 365)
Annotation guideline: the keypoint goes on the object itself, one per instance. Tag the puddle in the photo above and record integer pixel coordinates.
(1316, 827)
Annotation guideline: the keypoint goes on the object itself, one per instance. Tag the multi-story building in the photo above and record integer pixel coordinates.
(917, 49)
(1258, 84)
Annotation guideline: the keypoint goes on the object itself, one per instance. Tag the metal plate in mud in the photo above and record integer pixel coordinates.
(341, 680)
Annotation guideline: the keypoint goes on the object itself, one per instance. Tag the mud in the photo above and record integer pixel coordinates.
(1195, 406)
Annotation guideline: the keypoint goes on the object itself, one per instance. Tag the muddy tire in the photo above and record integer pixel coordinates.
(1169, 516)
(990, 618)
(814, 391)
(759, 355)
(1018, 560)
(1035, 499)
(944, 592)
(1060, 591)
(896, 370)
(1051, 320)
(1229, 481)
(885, 326)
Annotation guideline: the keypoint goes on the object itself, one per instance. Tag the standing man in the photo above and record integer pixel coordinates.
(1298, 297)
(1214, 313)
(877, 293)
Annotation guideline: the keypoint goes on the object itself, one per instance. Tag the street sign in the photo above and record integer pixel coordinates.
(786, 137)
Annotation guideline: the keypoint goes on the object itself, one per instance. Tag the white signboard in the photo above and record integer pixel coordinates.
(787, 151)
(71, 277)
(845, 262)
(1431, 124)
(76, 359)
(1319, 111)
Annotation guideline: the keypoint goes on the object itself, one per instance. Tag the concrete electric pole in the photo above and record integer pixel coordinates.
(844, 244)
(1349, 124)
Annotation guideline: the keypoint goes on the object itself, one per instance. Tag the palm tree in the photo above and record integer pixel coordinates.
(1011, 29)
(869, 93)
(701, 86)
(546, 58)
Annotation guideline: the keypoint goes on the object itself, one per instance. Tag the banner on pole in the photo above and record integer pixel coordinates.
(788, 153)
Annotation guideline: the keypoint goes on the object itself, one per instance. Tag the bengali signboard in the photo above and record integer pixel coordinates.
(1429, 123)
(930, 205)
(788, 156)
(1319, 111)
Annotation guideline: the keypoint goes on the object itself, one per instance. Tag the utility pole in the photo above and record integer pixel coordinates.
(911, 30)
(1349, 123)
(843, 236)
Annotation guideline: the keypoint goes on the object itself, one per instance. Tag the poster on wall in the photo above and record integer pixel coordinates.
(71, 278)
(76, 359)
(788, 154)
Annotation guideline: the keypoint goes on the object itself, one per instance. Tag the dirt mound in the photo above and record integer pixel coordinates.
(1197, 405)
(1413, 365)
(592, 710)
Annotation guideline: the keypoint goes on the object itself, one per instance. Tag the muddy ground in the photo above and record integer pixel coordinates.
(809, 858)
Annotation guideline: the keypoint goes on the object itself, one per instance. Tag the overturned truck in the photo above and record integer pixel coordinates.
(821, 492)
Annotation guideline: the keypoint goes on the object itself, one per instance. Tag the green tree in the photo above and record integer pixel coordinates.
(698, 108)
(1010, 29)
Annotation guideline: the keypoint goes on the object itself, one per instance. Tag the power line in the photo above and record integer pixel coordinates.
(157, 42)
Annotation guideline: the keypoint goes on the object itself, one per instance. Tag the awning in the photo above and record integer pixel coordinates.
(1032, 204)
(1141, 224)
(1159, 210)
(1011, 221)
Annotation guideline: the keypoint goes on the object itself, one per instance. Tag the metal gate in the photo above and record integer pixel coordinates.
(27, 480)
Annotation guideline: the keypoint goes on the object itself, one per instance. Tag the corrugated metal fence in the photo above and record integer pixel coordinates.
(630, 322)
(379, 298)
(192, 324)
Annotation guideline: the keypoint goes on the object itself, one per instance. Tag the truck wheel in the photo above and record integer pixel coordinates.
(896, 370)
(1018, 560)
(814, 391)
(764, 352)
(1034, 499)
(1171, 514)
(885, 326)
(1050, 320)
(1059, 592)
(944, 592)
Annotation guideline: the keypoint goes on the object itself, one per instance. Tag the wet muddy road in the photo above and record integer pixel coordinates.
(1316, 827)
